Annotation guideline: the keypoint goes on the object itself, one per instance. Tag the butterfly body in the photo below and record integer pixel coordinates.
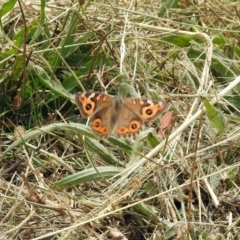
(115, 114)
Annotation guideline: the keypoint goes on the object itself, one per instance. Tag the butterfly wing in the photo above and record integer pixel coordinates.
(146, 109)
(89, 102)
(134, 112)
(97, 106)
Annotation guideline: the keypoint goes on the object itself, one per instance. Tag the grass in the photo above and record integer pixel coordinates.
(61, 181)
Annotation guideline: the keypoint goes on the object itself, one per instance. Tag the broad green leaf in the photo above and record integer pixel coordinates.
(166, 6)
(93, 145)
(219, 40)
(7, 7)
(79, 43)
(88, 175)
(102, 152)
(237, 51)
(144, 210)
(88, 64)
(234, 98)
(214, 115)
(122, 143)
(19, 67)
(181, 40)
(32, 134)
(55, 87)
(219, 67)
(41, 22)
(64, 51)
(153, 140)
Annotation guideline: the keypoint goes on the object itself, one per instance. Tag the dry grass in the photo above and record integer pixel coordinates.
(57, 184)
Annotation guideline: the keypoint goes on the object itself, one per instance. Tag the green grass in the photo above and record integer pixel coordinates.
(59, 179)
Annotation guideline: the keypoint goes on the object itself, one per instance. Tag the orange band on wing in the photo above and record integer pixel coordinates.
(88, 105)
(99, 128)
(133, 127)
(151, 111)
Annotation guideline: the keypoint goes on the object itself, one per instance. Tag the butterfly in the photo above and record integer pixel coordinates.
(122, 116)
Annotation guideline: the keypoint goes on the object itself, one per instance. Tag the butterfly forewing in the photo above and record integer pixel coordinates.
(146, 109)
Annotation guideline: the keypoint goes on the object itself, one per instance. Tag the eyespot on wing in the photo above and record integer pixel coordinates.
(97, 127)
(85, 104)
(152, 110)
(133, 127)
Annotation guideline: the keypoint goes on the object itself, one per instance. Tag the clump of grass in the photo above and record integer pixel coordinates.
(58, 179)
